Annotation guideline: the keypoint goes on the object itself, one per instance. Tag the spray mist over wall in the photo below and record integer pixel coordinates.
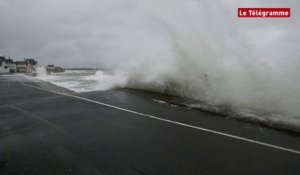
(200, 50)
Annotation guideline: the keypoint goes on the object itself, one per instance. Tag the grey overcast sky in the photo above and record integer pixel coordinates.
(93, 33)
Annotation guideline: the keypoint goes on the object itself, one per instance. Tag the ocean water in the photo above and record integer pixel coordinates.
(101, 80)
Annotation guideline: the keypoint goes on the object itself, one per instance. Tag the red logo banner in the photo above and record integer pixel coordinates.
(264, 12)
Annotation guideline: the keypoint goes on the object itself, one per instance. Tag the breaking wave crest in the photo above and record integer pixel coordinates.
(84, 80)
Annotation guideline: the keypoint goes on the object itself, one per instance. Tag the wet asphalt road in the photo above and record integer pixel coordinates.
(48, 133)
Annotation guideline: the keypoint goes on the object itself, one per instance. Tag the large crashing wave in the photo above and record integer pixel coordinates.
(201, 50)
(196, 50)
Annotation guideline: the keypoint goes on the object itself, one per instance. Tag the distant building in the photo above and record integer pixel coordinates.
(52, 69)
(2, 58)
(21, 66)
(30, 61)
(31, 65)
(27, 66)
(3, 67)
(11, 65)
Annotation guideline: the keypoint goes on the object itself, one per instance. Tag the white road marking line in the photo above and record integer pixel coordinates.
(171, 121)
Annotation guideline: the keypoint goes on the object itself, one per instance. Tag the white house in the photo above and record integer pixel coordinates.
(21, 66)
(3, 67)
